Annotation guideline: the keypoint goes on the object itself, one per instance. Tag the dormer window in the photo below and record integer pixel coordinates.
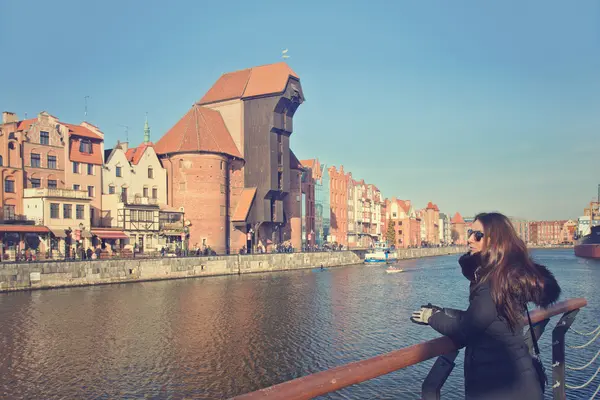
(85, 146)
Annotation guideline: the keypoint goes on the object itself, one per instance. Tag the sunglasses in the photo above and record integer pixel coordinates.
(478, 234)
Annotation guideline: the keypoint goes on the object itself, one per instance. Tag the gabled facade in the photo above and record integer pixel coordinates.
(228, 159)
(407, 226)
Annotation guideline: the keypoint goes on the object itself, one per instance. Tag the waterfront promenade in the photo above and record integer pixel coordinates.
(229, 335)
(52, 274)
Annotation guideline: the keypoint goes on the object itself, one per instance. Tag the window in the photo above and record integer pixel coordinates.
(222, 211)
(52, 184)
(44, 137)
(36, 183)
(118, 172)
(150, 173)
(9, 212)
(134, 215)
(75, 167)
(111, 189)
(0, 161)
(9, 185)
(52, 162)
(154, 193)
(145, 192)
(181, 185)
(90, 191)
(85, 146)
(79, 211)
(35, 160)
(67, 211)
(90, 169)
(54, 210)
(92, 214)
(76, 187)
(222, 188)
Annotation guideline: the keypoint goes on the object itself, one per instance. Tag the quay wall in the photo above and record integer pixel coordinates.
(54, 274)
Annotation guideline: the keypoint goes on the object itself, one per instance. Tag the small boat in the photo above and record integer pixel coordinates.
(393, 270)
(381, 253)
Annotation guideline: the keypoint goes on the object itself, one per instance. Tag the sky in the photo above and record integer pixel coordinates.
(475, 106)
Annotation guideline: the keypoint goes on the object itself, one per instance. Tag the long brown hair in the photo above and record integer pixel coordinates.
(506, 266)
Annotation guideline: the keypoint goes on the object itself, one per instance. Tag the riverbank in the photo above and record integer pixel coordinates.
(33, 276)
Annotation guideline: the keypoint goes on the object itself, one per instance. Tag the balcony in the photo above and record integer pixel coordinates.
(56, 193)
(139, 201)
(18, 219)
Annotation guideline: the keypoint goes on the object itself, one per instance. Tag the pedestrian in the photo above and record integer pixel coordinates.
(503, 279)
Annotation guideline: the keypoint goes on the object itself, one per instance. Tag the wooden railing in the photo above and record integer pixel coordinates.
(324, 382)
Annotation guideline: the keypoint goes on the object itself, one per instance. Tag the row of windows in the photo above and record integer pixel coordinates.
(36, 161)
(77, 168)
(119, 172)
(141, 216)
(112, 190)
(67, 211)
(9, 185)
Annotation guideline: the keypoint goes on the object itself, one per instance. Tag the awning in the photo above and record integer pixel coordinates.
(244, 204)
(109, 234)
(24, 228)
(59, 233)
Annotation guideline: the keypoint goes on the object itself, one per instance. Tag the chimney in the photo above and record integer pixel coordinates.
(124, 146)
(8, 117)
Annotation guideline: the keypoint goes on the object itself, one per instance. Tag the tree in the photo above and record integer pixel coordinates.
(390, 235)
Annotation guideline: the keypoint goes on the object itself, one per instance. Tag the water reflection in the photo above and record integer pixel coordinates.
(217, 337)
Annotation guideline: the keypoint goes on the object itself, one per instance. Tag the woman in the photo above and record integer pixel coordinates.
(503, 278)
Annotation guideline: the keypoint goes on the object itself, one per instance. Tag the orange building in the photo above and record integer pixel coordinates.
(338, 191)
(407, 226)
(431, 218)
(459, 230)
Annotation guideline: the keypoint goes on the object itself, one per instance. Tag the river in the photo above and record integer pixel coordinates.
(212, 338)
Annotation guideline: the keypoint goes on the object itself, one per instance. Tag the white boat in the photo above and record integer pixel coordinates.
(393, 270)
(381, 253)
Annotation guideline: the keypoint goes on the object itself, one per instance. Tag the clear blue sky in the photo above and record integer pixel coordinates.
(473, 106)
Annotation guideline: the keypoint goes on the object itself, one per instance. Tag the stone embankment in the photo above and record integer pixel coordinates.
(31, 276)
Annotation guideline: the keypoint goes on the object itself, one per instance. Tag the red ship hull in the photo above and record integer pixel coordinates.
(591, 250)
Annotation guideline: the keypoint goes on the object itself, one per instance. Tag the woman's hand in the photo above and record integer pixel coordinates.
(422, 315)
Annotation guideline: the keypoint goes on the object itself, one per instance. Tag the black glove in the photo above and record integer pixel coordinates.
(422, 315)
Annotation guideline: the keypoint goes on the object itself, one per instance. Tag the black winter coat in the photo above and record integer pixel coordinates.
(497, 364)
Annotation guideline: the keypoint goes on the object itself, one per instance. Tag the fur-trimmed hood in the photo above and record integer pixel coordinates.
(543, 294)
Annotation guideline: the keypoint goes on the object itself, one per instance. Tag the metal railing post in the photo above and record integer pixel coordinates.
(558, 354)
(439, 372)
(538, 331)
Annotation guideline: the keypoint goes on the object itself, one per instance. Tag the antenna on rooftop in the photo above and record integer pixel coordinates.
(126, 132)
(284, 54)
(85, 100)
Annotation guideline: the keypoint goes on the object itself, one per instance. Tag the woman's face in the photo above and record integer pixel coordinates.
(476, 237)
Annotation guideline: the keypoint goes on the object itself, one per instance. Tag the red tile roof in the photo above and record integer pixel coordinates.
(134, 155)
(308, 163)
(457, 219)
(256, 81)
(75, 155)
(200, 129)
(431, 206)
(244, 204)
(25, 124)
(79, 130)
